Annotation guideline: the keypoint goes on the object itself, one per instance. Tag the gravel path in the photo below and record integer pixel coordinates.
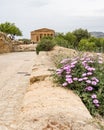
(15, 69)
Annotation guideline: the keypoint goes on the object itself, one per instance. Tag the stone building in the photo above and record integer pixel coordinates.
(36, 35)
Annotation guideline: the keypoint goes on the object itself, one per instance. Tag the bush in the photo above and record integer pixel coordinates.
(61, 42)
(45, 45)
(84, 75)
(85, 45)
(100, 44)
(81, 34)
(71, 38)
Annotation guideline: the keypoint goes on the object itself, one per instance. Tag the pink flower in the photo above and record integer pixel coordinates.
(97, 105)
(65, 84)
(81, 79)
(100, 62)
(89, 73)
(84, 74)
(93, 82)
(69, 80)
(94, 78)
(93, 96)
(59, 71)
(88, 81)
(74, 62)
(75, 79)
(66, 67)
(95, 101)
(85, 78)
(72, 65)
(89, 88)
(90, 68)
(68, 72)
(68, 76)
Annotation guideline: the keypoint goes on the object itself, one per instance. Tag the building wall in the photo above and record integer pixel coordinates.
(40, 33)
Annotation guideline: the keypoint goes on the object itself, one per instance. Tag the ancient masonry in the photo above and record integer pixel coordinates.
(36, 35)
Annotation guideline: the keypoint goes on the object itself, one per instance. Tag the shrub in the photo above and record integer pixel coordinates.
(71, 38)
(45, 45)
(81, 34)
(85, 45)
(100, 44)
(61, 42)
(84, 75)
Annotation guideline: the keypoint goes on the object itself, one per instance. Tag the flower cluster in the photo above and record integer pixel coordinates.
(80, 71)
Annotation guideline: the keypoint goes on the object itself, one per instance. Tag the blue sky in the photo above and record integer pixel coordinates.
(60, 15)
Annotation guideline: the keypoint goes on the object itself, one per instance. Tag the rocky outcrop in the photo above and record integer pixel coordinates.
(8, 45)
(24, 47)
(47, 106)
(5, 44)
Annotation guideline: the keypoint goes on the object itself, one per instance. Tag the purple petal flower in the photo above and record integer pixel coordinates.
(67, 67)
(68, 72)
(59, 70)
(68, 76)
(85, 78)
(81, 79)
(75, 79)
(95, 101)
(93, 82)
(97, 105)
(69, 80)
(84, 74)
(89, 73)
(94, 96)
(74, 62)
(89, 88)
(90, 68)
(94, 78)
(72, 66)
(65, 84)
(88, 81)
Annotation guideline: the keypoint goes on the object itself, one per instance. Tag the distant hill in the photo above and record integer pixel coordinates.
(97, 34)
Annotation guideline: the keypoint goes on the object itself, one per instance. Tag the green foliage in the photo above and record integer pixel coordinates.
(81, 34)
(84, 75)
(61, 42)
(61, 35)
(45, 45)
(85, 45)
(71, 38)
(100, 44)
(10, 29)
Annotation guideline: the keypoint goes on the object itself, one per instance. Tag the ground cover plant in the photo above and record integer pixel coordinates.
(85, 76)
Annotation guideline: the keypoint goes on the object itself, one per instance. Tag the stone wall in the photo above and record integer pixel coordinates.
(5, 43)
(8, 45)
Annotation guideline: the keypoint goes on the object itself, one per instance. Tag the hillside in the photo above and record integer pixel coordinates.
(97, 34)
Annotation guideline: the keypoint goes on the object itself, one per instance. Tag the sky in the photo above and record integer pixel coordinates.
(60, 15)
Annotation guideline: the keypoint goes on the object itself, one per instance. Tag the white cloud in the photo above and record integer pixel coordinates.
(61, 15)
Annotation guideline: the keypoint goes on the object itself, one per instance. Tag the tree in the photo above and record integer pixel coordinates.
(81, 34)
(71, 38)
(85, 45)
(10, 29)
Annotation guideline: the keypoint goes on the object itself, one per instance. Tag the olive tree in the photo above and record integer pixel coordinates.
(10, 29)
